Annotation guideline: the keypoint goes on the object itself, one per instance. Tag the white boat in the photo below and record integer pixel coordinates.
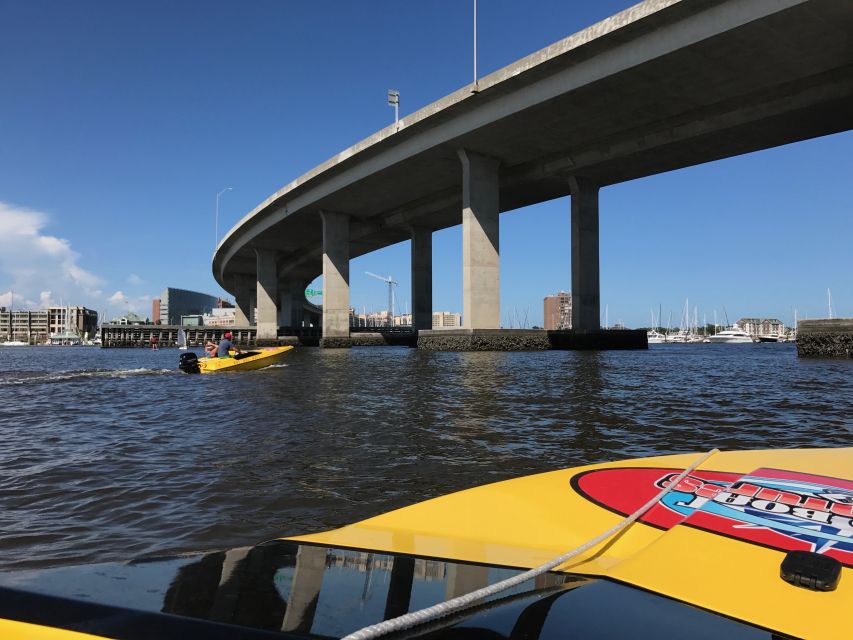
(182, 339)
(734, 335)
(14, 343)
(655, 337)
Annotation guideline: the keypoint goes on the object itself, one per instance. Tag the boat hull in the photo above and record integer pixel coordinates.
(716, 577)
(248, 361)
(713, 561)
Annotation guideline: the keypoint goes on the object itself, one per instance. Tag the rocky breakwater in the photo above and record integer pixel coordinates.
(827, 338)
(484, 340)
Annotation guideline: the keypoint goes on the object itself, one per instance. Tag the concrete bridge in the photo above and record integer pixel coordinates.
(662, 85)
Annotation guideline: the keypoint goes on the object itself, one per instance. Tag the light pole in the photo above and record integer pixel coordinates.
(475, 45)
(216, 224)
(394, 101)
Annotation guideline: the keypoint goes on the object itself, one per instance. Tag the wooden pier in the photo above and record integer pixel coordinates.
(166, 335)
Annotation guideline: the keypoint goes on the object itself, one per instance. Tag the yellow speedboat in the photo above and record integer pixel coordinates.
(744, 545)
(244, 361)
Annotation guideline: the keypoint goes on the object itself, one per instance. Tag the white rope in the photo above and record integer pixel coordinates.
(456, 604)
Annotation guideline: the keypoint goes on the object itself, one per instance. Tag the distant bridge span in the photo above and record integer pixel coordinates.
(662, 85)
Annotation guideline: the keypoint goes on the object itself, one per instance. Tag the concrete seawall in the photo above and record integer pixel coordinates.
(825, 338)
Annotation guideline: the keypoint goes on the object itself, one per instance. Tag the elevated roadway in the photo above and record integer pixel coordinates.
(662, 85)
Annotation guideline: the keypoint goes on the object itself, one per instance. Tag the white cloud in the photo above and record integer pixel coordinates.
(41, 268)
(46, 300)
(120, 304)
(135, 280)
(117, 298)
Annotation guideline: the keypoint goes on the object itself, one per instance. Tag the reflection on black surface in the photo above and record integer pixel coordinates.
(236, 586)
(308, 589)
(296, 590)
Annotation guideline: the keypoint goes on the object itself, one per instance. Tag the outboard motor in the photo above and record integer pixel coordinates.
(189, 363)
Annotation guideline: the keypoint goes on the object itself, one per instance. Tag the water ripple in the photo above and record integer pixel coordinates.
(112, 454)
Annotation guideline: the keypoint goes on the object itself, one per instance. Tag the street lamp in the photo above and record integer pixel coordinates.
(216, 224)
(475, 46)
(394, 101)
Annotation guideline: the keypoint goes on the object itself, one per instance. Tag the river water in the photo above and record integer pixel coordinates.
(114, 454)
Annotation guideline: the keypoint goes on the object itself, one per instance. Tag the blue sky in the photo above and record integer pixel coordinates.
(120, 121)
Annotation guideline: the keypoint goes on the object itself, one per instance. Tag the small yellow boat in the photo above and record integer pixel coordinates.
(243, 361)
(742, 545)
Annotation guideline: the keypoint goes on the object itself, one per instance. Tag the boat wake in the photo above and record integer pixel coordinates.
(42, 377)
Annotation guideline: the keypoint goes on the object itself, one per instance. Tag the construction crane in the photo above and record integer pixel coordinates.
(390, 282)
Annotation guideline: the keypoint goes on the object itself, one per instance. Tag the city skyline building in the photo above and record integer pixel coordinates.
(446, 320)
(220, 317)
(175, 303)
(558, 311)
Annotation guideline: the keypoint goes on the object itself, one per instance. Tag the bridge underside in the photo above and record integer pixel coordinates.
(683, 85)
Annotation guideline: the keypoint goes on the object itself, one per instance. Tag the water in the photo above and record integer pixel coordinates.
(113, 454)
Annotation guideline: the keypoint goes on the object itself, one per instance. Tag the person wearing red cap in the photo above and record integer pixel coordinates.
(225, 347)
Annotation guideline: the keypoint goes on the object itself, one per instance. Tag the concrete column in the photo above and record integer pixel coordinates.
(586, 293)
(285, 307)
(464, 578)
(297, 305)
(481, 307)
(242, 302)
(421, 278)
(267, 295)
(305, 589)
(335, 279)
(291, 301)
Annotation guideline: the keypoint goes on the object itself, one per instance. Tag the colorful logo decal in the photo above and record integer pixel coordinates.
(774, 508)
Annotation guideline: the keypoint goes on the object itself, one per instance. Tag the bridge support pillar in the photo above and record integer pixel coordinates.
(297, 305)
(285, 307)
(243, 302)
(586, 294)
(335, 280)
(421, 278)
(267, 296)
(481, 307)
(292, 297)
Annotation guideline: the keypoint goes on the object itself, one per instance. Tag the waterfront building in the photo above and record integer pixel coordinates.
(558, 311)
(37, 327)
(129, 318)
(372, 319)
(175, 303)
(446, 320)
(220, 316)
(403, 320)
(761, 327)
(24, 326)
(357, 319)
